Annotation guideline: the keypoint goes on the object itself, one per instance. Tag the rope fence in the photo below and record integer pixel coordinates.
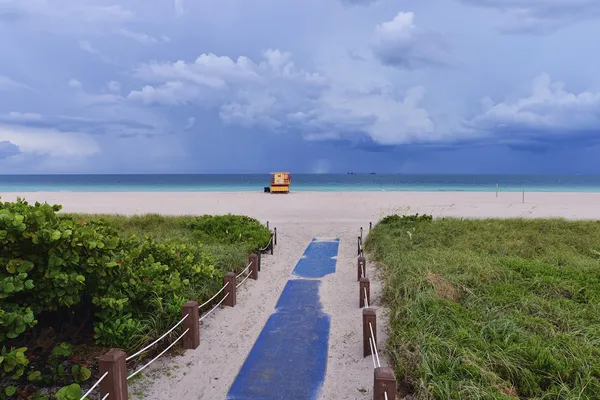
(214, 308)
(113, 364)
(384, 381)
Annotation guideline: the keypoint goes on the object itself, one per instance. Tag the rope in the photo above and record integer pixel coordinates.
(105, 396)
(94, 386)
(366, 298)
(267, 246)
(212, 298)
(157, 340)
(372, 352)
(244, 271)
(374, 345)
(242, 282)
(362, 269)
(215, 307)
(385, 394)
(156, 358)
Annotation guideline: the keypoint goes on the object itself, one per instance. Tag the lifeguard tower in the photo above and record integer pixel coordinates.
(280, 182)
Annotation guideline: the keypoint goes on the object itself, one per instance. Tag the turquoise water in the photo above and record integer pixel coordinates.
(300, 182)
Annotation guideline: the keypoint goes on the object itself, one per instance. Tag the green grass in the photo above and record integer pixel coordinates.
(227, 256)
(492, 309)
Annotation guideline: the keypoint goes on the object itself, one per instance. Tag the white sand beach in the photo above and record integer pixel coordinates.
(327, 207)
(228, 335)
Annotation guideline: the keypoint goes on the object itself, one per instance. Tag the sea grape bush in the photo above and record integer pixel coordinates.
(50, 264)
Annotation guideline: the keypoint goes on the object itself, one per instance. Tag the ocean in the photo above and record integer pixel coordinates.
(300, 182)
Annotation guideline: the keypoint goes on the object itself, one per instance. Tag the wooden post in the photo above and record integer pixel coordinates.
(358, 246)
(231, 289)
(275, 235)
(115, 383)
(361, 268)
(384, 382)
(191, 340)
(364, 286)
(370, 226)
(267, 224)
(272, 243)
(253, 260)
(361, 234)
(259, 254)
(369, 318)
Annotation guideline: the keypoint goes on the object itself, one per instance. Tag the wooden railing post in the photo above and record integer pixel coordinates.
(370, 226)
(361, 268)
(358, 246)
(272, 243)
(191, 340)
(115, 383)
(369, 321)
(259, 254)
(384, 382)
(365, 291)
(253, 260)
(230, 300)
(275, 233)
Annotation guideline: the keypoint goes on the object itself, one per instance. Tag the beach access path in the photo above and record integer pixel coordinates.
(228, 335)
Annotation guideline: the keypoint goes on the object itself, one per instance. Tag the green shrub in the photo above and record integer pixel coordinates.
(55, 267)
(230, 229)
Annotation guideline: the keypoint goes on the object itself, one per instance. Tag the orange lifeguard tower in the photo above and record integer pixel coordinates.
(280, 182)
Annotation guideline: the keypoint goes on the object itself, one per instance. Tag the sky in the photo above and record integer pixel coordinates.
(314, 86)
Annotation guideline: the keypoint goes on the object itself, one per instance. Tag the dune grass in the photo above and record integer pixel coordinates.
(492, 309)
(227, 256)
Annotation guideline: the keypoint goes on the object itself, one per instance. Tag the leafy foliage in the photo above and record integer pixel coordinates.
(493, 309)
(54, 267)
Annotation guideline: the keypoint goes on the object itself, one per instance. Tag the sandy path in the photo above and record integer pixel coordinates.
(229, 334)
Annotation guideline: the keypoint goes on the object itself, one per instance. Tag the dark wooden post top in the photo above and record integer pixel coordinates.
(230, 301)
(115, 383)
(191, 340)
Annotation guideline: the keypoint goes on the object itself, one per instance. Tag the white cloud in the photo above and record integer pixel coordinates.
(276, 95)
(190, 123)
(141, 37)
(86, 46)
(9, 84)
(401, 44)
(549, 110)
(74, 83)
(49, 142)
(178, 6)
(540, 16)
(20, 117)
(114, 86)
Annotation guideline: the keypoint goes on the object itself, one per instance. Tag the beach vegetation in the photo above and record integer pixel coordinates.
(491, 308)
(73, 285)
